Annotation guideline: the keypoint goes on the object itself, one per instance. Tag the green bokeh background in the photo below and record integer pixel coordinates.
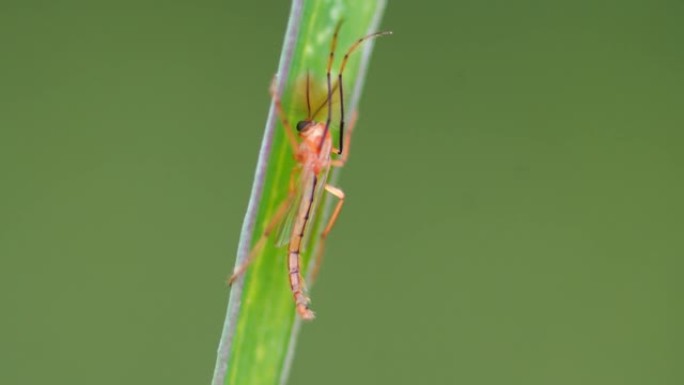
(514, 211)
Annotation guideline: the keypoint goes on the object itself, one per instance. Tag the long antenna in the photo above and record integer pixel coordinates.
(339, 78)
(331, 56)
(338, 85)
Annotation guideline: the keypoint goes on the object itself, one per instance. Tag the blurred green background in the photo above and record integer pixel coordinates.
(514, 211)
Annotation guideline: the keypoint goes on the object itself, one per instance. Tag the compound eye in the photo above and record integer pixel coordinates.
(302, 125)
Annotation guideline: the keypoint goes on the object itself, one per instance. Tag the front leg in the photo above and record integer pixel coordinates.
(339, 162)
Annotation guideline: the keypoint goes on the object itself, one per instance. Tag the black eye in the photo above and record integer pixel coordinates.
(302, 125)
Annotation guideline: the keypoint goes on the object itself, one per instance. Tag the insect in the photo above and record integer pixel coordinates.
(312, 146)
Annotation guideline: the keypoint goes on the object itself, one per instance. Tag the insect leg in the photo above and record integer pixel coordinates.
(339, 162)
(289, 131)
(324, 235)
(282, 209)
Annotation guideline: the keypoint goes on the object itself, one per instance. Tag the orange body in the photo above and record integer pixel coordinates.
(315, 164)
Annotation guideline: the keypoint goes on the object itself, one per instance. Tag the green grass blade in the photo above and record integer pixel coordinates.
(260, 330)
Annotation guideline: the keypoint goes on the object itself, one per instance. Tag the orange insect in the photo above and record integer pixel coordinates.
(312, 152)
